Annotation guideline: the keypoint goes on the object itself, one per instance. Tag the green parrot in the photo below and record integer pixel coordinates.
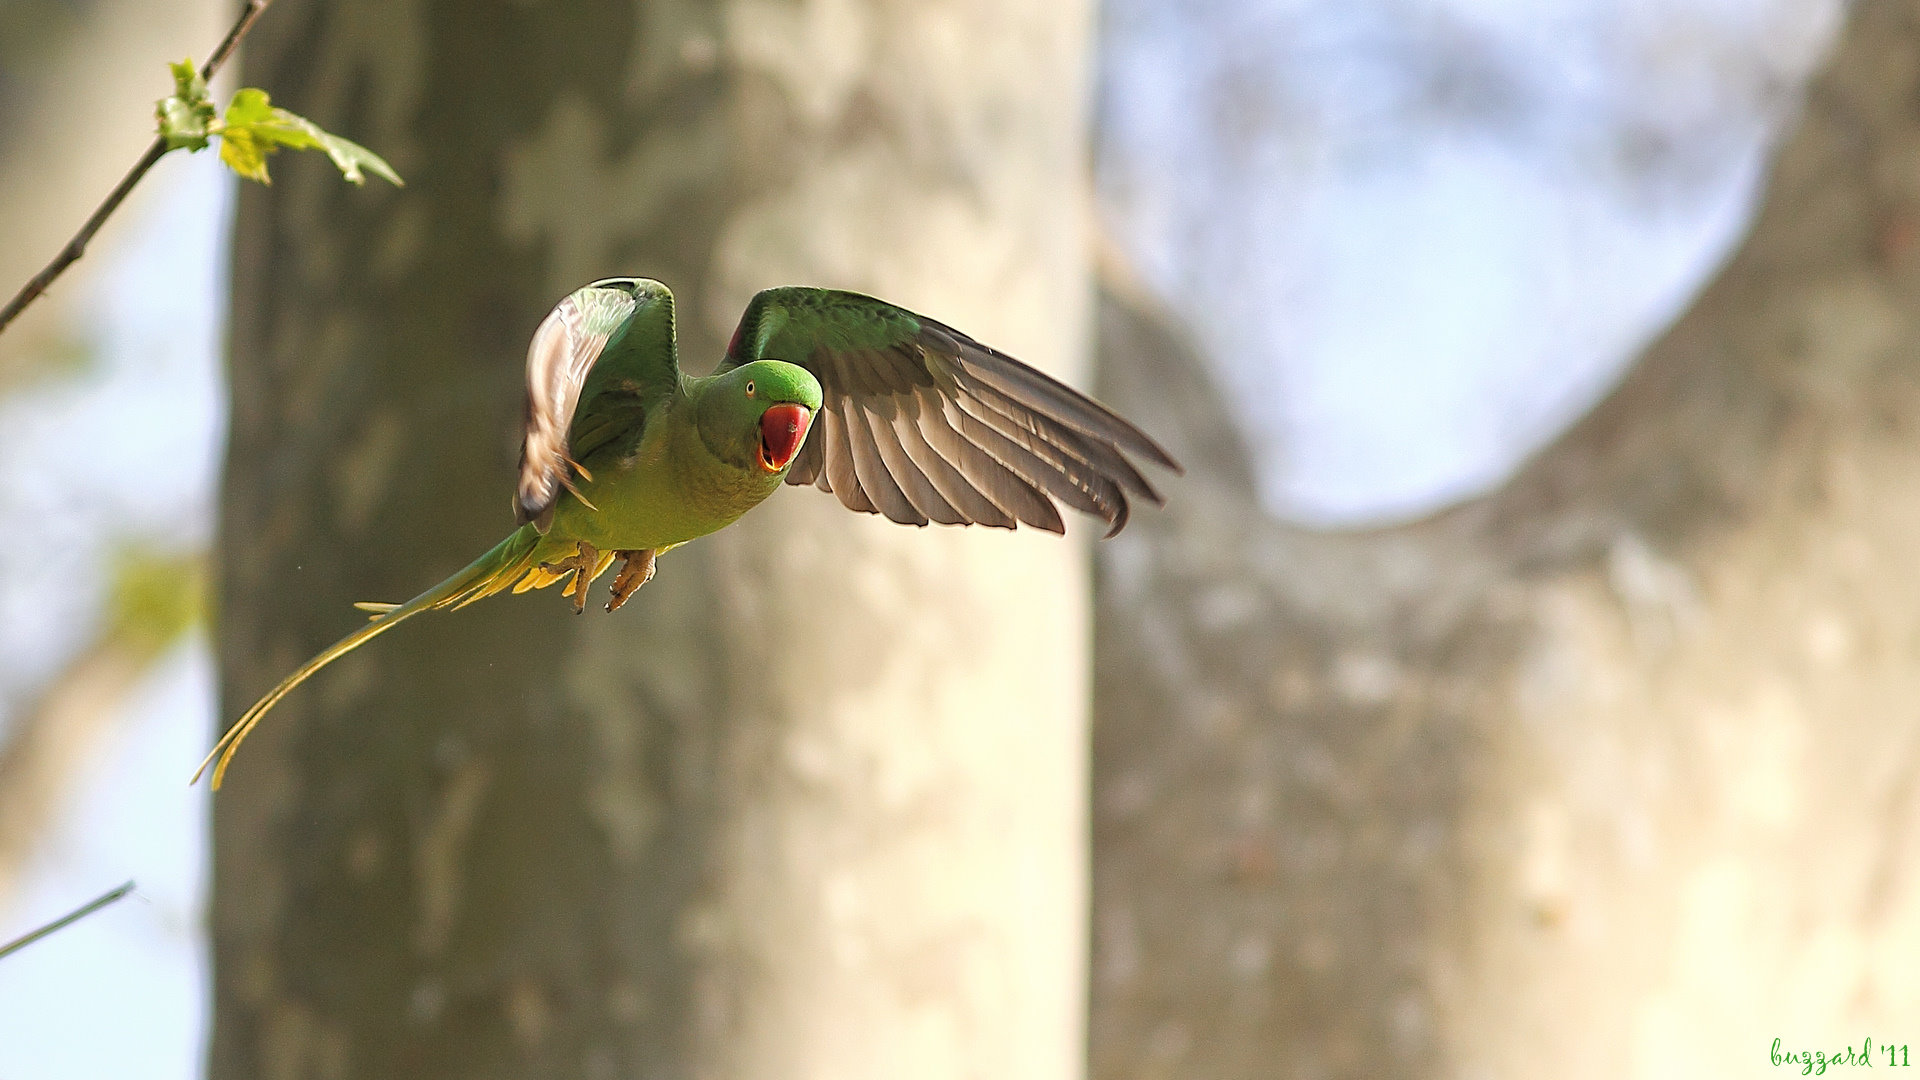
(625, 457)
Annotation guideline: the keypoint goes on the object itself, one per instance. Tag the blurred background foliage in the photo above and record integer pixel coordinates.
(111, 421)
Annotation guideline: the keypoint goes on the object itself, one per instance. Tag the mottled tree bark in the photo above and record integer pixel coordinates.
(1612, 773)
(811, 804)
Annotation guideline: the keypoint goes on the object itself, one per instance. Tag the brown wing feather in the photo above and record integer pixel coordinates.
(881, 486)
(562, 352)
(968, 501)
(1005, 485)
(839, 472)
(913, 483)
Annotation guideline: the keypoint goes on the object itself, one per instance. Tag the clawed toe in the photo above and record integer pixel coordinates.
(582, 563)
(636, 569)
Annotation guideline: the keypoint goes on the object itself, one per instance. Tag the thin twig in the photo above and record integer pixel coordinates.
(77, 246)
(232, 41)
(64, 921)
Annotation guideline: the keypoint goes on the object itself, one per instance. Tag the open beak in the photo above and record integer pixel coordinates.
(782, 429)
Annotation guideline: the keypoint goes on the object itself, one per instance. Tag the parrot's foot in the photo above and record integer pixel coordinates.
(636, 569)
(583, 562)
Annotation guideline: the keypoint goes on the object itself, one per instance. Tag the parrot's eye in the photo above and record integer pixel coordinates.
(749, 387)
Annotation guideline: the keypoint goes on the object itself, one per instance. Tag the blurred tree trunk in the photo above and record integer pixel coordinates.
(812, 804)
(1613, 773)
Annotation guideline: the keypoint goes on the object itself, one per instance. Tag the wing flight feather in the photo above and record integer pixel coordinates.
(922, 423)
(589, 379)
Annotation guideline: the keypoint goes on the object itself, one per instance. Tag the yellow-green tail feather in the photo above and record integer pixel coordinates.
(498, 569)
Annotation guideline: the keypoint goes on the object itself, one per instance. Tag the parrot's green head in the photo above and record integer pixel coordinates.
(757, 415)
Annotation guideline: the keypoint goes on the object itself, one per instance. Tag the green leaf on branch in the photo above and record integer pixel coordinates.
(187, 117)
(254, 129)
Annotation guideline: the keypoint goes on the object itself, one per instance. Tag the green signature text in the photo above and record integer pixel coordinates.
(1865, 1055)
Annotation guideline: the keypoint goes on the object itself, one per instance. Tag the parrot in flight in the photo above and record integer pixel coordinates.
(625, 457)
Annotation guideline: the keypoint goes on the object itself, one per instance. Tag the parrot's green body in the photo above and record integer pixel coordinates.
(670, 486)
(625, 457)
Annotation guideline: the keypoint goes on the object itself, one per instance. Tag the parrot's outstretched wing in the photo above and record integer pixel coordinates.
(922, 423)
(597, 362)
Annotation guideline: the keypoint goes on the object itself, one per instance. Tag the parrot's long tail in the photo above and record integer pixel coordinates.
(509, 561)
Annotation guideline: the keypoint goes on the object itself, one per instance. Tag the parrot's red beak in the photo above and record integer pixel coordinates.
(782, 429)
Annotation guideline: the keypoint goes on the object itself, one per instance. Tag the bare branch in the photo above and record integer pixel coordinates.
(77, 246)
(66, 920)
